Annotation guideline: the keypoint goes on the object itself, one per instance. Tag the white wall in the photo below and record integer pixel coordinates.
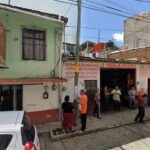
(143, 74)
(88, 71)
(33, 98)
(136, 33)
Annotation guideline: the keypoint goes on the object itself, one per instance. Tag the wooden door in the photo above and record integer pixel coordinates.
(90, 86)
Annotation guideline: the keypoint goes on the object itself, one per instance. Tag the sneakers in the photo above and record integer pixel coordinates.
(99, 118)
(82, 129)
(142, 122)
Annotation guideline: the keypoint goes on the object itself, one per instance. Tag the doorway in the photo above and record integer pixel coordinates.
(124, 78)
(90, 86)
(11, 97)
(148, 91)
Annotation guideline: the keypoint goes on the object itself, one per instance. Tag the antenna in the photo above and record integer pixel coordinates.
(99, 34)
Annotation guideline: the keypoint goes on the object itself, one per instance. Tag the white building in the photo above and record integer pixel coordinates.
(98, 73)
(137, 31)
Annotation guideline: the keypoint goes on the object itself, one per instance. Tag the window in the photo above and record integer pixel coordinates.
(5, 139)
(11, 97)
(33, 44)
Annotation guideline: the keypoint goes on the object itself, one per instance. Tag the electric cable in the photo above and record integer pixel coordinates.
(105, 11)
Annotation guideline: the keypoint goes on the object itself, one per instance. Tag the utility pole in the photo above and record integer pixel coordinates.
(99, 32)
(77, 65)
(9, 2)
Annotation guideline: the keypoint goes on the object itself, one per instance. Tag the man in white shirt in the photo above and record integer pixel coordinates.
(116, 97)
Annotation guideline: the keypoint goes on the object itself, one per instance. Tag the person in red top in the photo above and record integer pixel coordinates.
(83, 111)
(141, 111)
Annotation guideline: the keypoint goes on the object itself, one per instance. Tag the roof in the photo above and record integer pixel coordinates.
(11, 118)
(26, 10)
(130, 49)
(103, 60)
(141, 16)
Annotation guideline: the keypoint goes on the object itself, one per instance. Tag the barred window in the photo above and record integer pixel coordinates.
(33, 44)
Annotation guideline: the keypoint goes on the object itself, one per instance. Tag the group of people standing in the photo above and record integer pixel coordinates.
(135, 98)
(68, 112)
(106, 97)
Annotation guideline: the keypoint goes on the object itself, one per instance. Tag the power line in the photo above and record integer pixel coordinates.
(148, 20)
(115, 9)
(84, 36)
(94, 8)
(94, 28)
(119, 5)
(112, 8)
(105, 11)
(143, 1)
(65, 2)
(68, 9)
(107, 29)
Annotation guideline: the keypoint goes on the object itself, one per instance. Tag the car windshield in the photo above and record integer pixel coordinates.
(4, 141)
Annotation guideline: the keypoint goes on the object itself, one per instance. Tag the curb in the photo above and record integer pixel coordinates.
(55, 138)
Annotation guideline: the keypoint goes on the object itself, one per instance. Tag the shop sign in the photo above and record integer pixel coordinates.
(118, 65)
(87, 71)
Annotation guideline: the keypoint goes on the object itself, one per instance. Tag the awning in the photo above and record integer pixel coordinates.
(31, 81)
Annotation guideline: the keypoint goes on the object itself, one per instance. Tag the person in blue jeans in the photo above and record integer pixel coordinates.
(132, 98)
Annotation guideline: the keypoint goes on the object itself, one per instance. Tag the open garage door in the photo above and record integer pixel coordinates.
(124, 78)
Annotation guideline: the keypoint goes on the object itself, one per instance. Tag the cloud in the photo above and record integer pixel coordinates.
(118, 37)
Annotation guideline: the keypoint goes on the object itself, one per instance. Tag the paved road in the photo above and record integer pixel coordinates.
(132, 137)
(45, 141)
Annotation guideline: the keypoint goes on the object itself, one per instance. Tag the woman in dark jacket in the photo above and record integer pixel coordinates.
(67, 114)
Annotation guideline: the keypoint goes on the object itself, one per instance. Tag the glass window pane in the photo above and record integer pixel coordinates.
(28, 51)
(5, 139)
(33, 44)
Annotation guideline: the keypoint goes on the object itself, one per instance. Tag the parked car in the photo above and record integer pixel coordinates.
(17, 132)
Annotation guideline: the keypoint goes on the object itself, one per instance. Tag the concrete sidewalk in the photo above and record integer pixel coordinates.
(109, 120)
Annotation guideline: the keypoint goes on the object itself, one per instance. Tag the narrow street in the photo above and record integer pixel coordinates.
(45, 141)
(118, 138)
